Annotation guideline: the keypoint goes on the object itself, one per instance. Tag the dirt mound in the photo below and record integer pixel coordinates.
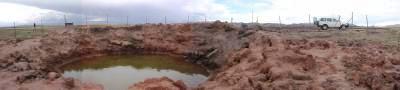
(162, 83)
(273, 62)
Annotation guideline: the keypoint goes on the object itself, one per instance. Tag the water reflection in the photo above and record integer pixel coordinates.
(119, 72)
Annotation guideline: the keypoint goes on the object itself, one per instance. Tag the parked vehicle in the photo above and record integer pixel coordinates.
(326, 23)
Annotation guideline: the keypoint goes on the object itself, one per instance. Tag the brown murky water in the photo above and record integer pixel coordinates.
(121, 71)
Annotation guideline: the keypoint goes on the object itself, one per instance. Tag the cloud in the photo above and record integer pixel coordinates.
(296, 11)
(22, 14)
(137, 10)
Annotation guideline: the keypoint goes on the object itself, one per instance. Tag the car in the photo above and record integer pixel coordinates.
(326, 23)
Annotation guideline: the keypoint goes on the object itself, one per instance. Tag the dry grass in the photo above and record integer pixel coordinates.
(25, 32)
(389, 37)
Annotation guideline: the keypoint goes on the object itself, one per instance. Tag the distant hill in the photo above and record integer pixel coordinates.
(393, 26)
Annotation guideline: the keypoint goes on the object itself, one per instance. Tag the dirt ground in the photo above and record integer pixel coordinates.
(238, 57)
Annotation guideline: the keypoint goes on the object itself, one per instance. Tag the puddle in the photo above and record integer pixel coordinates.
(121, 71)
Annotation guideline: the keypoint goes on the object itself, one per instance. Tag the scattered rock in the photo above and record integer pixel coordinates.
(121, 43)
(91, 86)
(21, 66)
(162, 83)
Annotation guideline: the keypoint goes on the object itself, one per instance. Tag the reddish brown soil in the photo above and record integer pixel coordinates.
(242, 60)
(162, 83)
(272, 62)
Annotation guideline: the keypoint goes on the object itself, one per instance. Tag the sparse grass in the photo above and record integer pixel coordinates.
(24, 32)
(388, 37)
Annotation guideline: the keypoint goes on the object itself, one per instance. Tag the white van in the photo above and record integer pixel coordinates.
(326, 23)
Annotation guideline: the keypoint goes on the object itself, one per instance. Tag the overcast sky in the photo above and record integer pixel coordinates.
(380, 12)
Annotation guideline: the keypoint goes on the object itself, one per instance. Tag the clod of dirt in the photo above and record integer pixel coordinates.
(91, 86)
(20, 66)
(272, 62)
(52, 76)
(162, 83)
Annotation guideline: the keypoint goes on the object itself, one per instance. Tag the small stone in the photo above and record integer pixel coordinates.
(21, 66)
(52, 76)
(180, 84)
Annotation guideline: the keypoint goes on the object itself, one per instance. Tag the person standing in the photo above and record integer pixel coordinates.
(34, 27)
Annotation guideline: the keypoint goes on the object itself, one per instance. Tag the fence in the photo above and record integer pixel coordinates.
(280, 22)
(132, 19)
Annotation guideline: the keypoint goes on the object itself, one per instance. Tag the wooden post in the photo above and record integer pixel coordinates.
(127, 20)
(65, 20)
(257, 20)
(366, 17)
(188, 19)
(15, 31)
(252, 16)
(165, 19)
(86, 21)
(15, 34)
(107, 19)
(146, 20)
(339, 18)
(352, 18)
(205, 19)
(41, 24)
(231, 19)
(309, 19)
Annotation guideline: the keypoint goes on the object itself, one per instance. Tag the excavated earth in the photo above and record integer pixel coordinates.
(238, 58)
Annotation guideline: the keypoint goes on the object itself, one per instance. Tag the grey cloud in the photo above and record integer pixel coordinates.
(117, 13)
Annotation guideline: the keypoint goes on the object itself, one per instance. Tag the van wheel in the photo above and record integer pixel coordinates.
(324, 27)
(342, 27)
